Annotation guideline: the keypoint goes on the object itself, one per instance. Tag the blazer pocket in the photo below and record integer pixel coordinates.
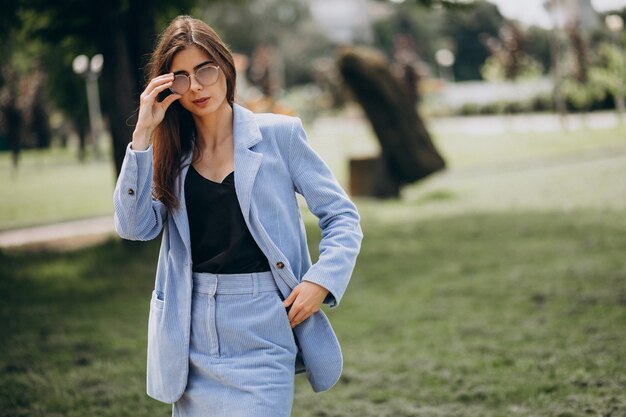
(158, 300)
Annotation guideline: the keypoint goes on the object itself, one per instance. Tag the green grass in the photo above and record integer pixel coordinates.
(52, 185)
(492, 314)
(73, 332)
(494, 288)
(534, 147)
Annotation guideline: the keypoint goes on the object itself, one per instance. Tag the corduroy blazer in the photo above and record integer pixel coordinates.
(273, 162)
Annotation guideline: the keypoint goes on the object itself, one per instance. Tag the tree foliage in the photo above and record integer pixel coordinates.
(509, 60)
(247, 25)
(460, 27)
(467, 28)
(122, 30)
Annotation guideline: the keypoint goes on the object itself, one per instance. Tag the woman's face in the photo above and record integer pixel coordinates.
(199, 100)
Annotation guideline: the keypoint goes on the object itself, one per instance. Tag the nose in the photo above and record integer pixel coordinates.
(194, 84)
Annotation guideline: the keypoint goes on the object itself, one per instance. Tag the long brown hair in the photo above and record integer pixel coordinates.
(172, 139)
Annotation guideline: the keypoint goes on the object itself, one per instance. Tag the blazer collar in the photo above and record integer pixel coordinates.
(246, 133)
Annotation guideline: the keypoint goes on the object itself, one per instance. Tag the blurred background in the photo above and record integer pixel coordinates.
(482, 141)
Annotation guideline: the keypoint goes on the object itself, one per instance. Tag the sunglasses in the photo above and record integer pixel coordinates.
(206, 76)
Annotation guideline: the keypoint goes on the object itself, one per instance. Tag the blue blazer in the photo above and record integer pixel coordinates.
(273, 162)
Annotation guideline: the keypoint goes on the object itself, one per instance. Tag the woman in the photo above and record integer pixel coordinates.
(235, 309)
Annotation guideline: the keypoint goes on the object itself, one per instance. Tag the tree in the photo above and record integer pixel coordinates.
(65, 89)
(509, 60)
(424, 25)
(579, 87)
(123, 31)
(466, 27)
(271, 24)
(459, 27)
(23, 109)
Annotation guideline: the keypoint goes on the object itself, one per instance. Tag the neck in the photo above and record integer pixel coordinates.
(215, 128)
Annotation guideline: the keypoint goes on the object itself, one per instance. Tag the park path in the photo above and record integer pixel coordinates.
(64, 235)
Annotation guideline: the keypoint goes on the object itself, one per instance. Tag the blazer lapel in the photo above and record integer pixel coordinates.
(180, 214)
(246, 133)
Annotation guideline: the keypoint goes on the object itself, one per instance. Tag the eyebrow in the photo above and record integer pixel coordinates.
(194, 68)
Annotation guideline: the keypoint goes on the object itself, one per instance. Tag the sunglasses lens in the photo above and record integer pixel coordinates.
(207, 75)
(180, 84)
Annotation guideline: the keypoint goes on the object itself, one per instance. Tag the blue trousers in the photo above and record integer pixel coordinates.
(242, 350)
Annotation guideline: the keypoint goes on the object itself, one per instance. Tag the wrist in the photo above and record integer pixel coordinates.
(141, 139)
(318, 287)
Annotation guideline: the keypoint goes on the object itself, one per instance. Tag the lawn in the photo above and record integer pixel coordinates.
(491, 314)
(52, 185)
(495, 288)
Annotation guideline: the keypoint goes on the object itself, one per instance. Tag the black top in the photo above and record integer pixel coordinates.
(220, 240)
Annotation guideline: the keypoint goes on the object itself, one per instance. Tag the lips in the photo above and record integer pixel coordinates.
(201, 100)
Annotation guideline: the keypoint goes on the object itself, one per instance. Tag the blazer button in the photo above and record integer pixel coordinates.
(131, 191)
(280, 265)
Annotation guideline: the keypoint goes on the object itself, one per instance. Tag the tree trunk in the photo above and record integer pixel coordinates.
(13, 126)
(119, 84)
(81, 129)
(126, 39)
(40, 124)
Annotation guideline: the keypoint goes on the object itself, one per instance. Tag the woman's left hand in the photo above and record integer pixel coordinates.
(305, 299)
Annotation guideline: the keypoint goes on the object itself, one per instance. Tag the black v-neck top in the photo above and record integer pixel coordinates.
(220, 240)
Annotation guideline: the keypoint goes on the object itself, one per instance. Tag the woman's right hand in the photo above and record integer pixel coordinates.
(151, 111)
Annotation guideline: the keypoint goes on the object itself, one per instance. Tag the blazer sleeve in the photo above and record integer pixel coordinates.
(338, 217)
(138, 216)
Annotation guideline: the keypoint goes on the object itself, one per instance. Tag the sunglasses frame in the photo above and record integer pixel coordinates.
(195, 74)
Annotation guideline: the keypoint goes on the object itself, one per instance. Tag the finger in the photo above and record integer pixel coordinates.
(299, 318)
(153, 98)
(156, 90)
(169, 100)
(157, 81)
(161, 77)
(293, 311)
(291, 298)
